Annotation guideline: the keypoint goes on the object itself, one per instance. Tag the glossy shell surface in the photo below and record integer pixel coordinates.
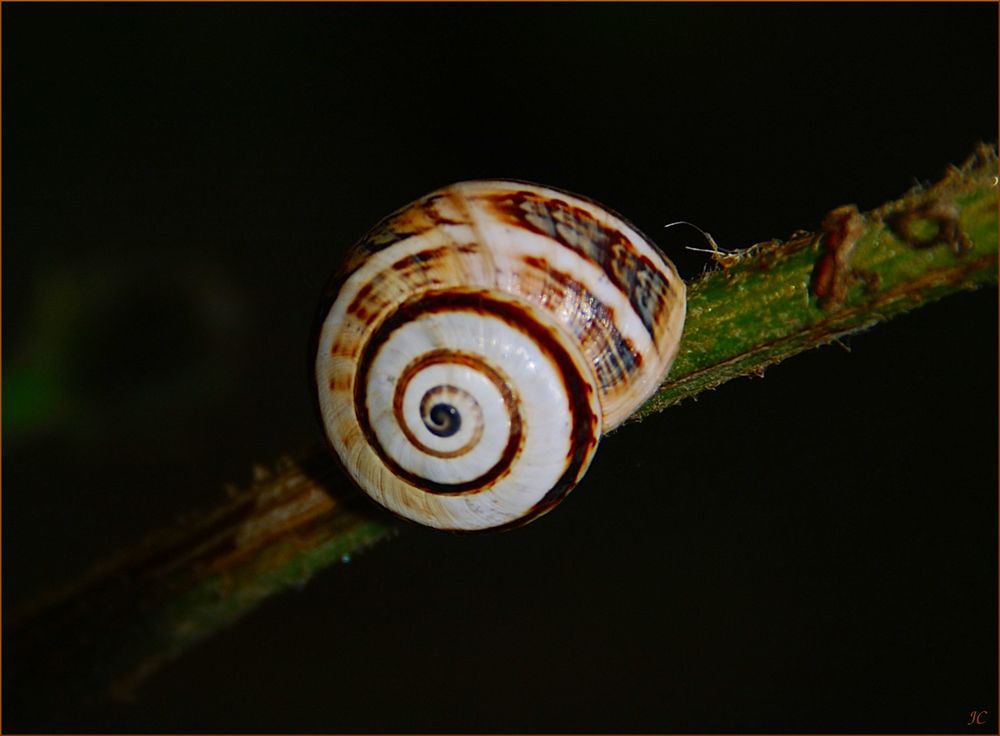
(477, 343)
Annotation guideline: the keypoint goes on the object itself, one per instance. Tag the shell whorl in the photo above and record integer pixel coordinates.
(477, 342)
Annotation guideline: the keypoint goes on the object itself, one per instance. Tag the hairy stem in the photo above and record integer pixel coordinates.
(106, 632)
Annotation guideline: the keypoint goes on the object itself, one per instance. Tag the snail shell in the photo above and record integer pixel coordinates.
(476, 344)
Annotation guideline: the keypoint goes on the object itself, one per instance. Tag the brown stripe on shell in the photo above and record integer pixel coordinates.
(583, 436)
(436, 357)
(356, 307)
(407, 222)
(412, 272)
(583, 440)
(412, 220)
(340, 383)
(345, 346)
(421, 261)
(613, 355)
(633, 273)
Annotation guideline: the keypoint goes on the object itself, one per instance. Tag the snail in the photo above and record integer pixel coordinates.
(476, 344)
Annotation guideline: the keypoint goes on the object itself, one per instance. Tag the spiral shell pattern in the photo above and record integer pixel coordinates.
(476, 344)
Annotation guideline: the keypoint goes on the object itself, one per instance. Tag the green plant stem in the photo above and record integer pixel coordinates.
(106, 632)
(757, 308)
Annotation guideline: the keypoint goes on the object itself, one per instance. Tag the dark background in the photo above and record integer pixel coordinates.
(815, 551)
